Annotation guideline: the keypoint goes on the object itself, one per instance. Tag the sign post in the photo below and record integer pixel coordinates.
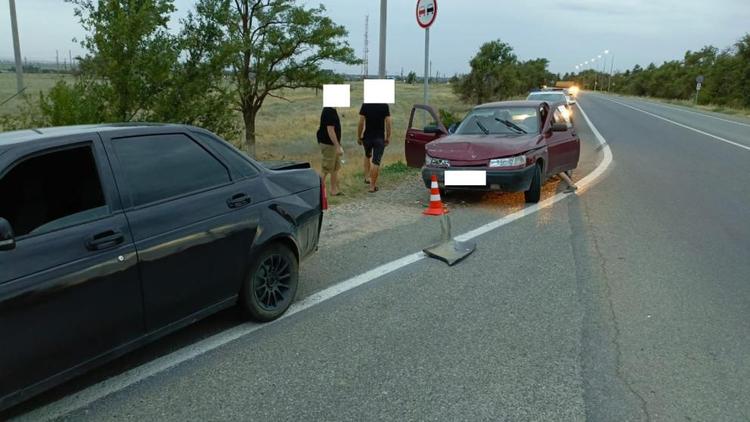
(698, 85)
(426, 14)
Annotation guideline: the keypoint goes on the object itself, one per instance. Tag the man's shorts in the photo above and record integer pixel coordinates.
(374, 149)
(331, 160)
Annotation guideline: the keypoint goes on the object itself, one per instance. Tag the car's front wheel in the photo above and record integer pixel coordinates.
(271, 284)
(535, 190)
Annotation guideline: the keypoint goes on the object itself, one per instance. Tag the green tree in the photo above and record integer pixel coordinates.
(73, 103)
(411, 78)
(130, 53)
(534, 74)
(271, 45)
(198, 92)
(493, 76)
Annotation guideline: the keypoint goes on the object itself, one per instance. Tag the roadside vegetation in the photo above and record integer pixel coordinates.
(726, 85)
(229, 56)
(498, 74)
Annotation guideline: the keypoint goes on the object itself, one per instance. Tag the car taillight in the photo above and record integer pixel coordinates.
(323, 195)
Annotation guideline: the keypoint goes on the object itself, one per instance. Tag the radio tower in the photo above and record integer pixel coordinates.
(366, 53)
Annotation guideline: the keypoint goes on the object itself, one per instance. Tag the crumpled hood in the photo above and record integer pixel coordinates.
(481, 147)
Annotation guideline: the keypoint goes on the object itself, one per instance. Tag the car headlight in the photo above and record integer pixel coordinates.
(517, 161)
(436, 162)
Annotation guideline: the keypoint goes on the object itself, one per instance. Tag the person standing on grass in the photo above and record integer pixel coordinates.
(329, 139)
(374, 133)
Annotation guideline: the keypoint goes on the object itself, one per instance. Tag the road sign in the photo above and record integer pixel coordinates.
(698, 87)
(426, 12)
(699, 79)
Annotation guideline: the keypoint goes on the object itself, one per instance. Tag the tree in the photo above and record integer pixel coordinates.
(411, 78)
(130, 53)
(534, 74)
(493, 74)
(271, 45)
(197, 93)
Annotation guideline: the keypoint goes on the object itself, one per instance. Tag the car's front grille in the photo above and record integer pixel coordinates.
(467, 164)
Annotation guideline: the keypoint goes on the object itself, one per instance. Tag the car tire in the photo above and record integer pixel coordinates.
(271, 284)
(535, 190)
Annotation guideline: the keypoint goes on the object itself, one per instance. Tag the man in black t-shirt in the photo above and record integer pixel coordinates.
(329, 139)
(374, 133)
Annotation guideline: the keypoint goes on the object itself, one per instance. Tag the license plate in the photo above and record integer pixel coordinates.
(465, 178)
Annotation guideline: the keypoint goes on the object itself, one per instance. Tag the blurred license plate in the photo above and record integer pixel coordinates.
(465, 178)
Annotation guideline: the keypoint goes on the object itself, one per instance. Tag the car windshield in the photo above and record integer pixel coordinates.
(547, 96)
(500, 120)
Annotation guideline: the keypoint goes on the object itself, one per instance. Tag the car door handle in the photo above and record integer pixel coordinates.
(105, 240)
(238, 201)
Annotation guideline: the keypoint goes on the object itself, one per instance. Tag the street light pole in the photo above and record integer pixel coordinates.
(16, 46)
(383, 25)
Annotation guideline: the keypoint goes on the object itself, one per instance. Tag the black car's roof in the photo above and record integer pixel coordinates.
(19, 136)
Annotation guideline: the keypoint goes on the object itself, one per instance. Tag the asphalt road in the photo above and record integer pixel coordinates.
(627, 302)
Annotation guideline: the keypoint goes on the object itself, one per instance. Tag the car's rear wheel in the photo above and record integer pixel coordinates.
(271, 284)
(535, 190)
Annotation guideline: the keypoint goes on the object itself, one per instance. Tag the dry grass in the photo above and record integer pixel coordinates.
(35, 82)
(287, 130)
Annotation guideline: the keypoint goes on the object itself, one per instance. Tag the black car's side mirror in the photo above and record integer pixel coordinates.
(7, 239)
(454, 127)
(559, 127)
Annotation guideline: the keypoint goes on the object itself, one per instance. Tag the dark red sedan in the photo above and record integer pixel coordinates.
(510, 146)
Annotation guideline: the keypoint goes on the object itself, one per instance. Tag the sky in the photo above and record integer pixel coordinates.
(565, 32)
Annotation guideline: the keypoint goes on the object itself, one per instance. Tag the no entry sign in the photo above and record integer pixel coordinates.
(426, 12)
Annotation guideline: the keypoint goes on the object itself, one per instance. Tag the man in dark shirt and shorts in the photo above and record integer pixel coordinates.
(374, 133)
(329, 139)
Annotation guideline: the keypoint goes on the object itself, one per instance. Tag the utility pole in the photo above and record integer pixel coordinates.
(383, 25)
(16, 46)
(57, 60)
(70, 57)
(611, 70)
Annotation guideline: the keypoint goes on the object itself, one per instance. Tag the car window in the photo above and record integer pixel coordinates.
(158, 167)
(551, 97)
(422, 119)
(236, 159)
(500, 120)
(52, 191)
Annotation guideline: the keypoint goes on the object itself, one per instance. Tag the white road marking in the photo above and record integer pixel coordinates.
(695, 112)
(120, 382)
(718, 138)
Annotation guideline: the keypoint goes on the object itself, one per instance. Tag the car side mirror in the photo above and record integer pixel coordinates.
(7, 239)
(453, 128)
(559, 127)
(431, 129)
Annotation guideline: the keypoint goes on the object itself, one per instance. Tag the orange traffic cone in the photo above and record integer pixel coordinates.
(436, 204)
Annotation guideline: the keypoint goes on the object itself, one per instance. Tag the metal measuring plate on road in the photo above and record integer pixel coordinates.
(426, 12)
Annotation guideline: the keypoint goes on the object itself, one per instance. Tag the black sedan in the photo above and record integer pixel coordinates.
(112, 236)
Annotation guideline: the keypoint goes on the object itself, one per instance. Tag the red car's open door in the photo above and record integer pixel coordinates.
(424, 127)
